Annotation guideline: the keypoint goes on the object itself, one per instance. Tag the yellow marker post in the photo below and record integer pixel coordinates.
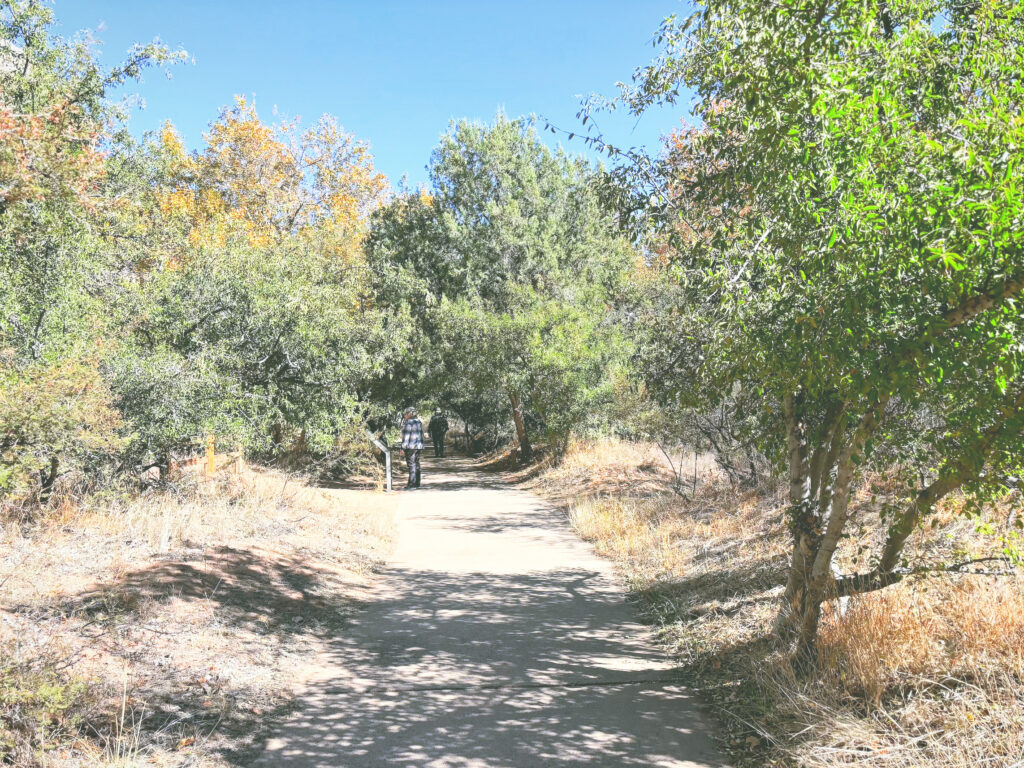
(211, 456)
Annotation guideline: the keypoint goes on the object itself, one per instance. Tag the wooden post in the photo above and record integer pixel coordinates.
(211, 456)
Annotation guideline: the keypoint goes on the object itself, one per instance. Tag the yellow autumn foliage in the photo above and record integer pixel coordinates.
(263, 183)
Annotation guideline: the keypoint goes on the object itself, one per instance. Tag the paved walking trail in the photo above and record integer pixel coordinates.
(498, 639)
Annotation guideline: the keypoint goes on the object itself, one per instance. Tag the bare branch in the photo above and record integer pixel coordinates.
(872, 581)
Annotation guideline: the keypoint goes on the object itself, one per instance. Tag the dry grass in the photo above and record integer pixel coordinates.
(964, 629)
(170, 629)
(921, 674)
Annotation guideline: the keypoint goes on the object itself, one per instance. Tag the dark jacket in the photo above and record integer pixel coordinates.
(438, 425)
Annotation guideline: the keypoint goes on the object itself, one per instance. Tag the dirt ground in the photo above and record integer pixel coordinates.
(495, 637)
(173, 629)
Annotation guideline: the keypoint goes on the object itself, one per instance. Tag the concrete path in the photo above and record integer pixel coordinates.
(499, 639)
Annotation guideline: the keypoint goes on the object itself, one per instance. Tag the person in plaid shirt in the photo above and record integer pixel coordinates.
(412, 445)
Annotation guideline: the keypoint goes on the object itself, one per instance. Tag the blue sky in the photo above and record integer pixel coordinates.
(394, 73)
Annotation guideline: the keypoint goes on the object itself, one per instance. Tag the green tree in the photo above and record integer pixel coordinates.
(235, 322)
(508, 264)
(54, 418)
(847, 220)
(55, 114)
(56, 119)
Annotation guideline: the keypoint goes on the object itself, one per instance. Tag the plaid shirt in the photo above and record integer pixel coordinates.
(412, 434)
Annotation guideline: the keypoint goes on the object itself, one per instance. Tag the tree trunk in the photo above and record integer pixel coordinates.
(802, 521)
(822, 467)
(821, 482)
(47, 479)
(525, 449)
(834, 513)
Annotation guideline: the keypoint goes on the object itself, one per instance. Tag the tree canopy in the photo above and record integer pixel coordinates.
(509, 263)
(845, 228)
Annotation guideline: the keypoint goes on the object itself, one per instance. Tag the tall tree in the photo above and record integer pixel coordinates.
(511, 246)
(56, 120)
(853, 253)
(245, 293)
(271, 182)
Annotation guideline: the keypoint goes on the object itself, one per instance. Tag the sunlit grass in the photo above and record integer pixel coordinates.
(920, 675)
(119, 610)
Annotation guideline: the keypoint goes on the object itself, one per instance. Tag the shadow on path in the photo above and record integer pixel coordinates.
(498, 639)
(494, 670)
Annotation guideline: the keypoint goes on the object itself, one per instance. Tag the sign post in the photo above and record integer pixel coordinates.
(211, 456)
(387, 456)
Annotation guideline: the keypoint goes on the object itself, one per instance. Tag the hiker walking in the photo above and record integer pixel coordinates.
(438, 429)
(412, 444)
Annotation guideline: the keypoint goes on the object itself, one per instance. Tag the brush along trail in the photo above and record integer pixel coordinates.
(495, 637)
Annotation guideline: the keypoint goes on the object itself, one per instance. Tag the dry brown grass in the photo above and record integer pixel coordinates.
(964, 629)
(178, 622)
(611, 467)
(921, 674)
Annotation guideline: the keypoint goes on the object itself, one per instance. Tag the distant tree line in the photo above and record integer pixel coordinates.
(269, 288)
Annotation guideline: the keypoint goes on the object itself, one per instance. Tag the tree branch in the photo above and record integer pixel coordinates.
(874, 580)
(962, 471)
(964, 312)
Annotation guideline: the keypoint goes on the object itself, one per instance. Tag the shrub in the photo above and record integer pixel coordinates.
(38, 708)
(54, 419)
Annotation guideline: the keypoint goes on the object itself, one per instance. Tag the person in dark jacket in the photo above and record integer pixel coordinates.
(438, 429)
(412, 445)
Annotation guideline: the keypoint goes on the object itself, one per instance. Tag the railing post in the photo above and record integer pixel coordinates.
(387, 455)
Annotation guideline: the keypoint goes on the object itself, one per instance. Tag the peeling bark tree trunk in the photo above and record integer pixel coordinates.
(820, 491)
(820, 484)
(828, 517)
(822, 467)
(525, 449)
(801, 519)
